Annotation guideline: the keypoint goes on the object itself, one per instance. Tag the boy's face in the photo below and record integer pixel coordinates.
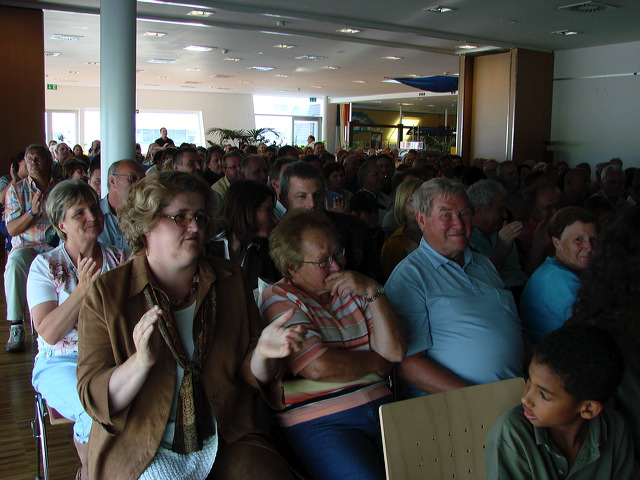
(545, 402)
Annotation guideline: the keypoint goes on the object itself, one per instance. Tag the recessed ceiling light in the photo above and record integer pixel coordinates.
(311, 57)
(359, 81)
(154, 34)
(392, 58)
(198, 48)
(93, 63)
(232, 59)
(161, 60)
(258, 67)
(73, 71)
(193, 69)
(565, 32)
(316, 86)
(284, 45)
(173, 22)
(348, 30)
(439, 9)
(282, 75)
(200, 13)
(51, 54)
(466, 46)
(191, 82)
(406, 104)
(62, 36)
(244, 81)
(330, 67)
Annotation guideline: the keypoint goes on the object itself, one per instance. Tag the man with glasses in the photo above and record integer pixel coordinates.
(231, 169)
(123, 175)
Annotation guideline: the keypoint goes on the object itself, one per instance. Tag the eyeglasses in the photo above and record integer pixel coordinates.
(131, 178)
(328, 261)
(184, 219)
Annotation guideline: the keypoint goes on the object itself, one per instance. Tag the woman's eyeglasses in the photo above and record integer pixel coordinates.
(184, 219)
(328, 261)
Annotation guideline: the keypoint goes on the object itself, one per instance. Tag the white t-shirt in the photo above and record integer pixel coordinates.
(52, 278)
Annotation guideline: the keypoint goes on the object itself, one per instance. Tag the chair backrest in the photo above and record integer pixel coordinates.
(443, 435)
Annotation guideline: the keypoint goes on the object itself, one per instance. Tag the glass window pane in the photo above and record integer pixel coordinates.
(64, 127)
(302, 107)
(280, 123)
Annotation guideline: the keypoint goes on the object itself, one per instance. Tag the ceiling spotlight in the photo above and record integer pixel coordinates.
(348, 30)
(161, 60)
(258, 67)
(392, 58)
(232, 59)
(284, 45)
(311, 57)
(316, 86)
(439, 9)
(282, 75)
(359, 81)
(466, 46)
(330, 67)
(154, 34)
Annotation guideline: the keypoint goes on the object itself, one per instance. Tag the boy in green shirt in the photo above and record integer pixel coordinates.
(562, 430)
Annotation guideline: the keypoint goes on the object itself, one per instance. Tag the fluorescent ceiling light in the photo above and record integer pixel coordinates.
(154, 34)
(257, 67)
(198, 48)
(51, 54)
(565, 32)
(284, 45)
(270, 32)
(348, 30)
(392, 58)
(359, 81)
(232, 59)
(466, 47)
(439, 9)
(330, 67)
(62, 36)
(174, 4)
(282, 75)
(316, 86)
(200, 13)
(161, 60)
(311, 57)
(171, 22)
(244, 81)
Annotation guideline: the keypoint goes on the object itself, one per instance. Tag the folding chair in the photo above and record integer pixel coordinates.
(443, 435)
(39, 431)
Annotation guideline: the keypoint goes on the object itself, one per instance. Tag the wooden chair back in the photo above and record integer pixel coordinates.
(443, 436)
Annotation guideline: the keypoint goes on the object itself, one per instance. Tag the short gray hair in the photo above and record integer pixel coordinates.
(65, 195)
(483, 192)
(437, 188)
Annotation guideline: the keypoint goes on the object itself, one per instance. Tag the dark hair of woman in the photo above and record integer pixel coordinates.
(239, 209)
(611, 284)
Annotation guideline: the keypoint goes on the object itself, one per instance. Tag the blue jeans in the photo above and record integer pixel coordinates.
(55, 378)
(345, 445)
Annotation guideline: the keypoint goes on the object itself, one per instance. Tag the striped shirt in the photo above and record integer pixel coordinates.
(17, 202)
(344, 324)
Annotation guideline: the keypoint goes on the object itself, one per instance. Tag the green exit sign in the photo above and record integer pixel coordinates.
(52, 86)
(313, 99)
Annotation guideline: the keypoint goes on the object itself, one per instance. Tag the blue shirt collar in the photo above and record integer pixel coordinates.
(438, 259)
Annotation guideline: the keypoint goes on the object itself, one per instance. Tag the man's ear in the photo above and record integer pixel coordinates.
(421, 218)
(590, 409)
(556, 242)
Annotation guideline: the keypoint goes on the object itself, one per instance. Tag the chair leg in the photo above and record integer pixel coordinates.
(39, 429)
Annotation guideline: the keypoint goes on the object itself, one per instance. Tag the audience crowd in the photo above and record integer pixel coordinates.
(242, 312)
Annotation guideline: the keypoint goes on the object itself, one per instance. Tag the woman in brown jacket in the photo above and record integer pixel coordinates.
(173, 366)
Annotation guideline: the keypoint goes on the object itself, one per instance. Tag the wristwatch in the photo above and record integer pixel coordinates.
(375, 296)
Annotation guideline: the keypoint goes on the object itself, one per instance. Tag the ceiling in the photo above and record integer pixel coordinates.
(423, 43)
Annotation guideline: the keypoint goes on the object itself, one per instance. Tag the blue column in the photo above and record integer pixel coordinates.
(117, 82)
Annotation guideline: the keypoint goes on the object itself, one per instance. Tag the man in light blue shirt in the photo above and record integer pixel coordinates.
(123, 175)
(461, 323)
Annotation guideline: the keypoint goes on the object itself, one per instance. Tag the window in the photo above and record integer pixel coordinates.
(62, 126)
(292, 117)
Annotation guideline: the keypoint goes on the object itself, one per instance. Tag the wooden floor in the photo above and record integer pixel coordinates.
(17, 445)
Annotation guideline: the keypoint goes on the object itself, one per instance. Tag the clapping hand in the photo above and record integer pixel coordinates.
(278, 341)
(146, 338)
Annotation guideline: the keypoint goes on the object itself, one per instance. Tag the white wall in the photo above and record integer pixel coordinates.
(225, 110)
(596, 119)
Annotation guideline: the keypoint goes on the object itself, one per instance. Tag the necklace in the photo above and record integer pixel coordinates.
(189, 296)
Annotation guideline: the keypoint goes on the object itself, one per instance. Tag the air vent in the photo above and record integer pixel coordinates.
(586, 7)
